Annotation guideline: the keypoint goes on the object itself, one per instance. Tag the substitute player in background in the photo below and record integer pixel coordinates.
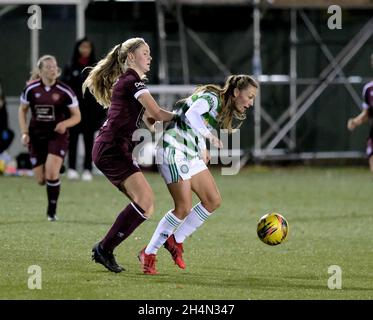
(93, 115)
(365, 115)
(54, 109)
(182, 158)
(117, 83)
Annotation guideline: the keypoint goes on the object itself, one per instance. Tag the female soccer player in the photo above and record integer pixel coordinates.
(54, 109)
(117, 83)
(182, 159)
(364, 116)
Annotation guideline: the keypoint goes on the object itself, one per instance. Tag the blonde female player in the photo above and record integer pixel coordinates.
(54, 109)
(117, 83)
(182, 160)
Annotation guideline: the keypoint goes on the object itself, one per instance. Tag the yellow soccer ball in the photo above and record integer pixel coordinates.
(272, 229)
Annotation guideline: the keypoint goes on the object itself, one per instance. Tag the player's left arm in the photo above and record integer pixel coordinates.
(194, 115)
(74, 119)
(149, 121)
(155, 112)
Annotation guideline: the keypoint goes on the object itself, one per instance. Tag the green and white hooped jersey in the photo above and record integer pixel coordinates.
(180, 135)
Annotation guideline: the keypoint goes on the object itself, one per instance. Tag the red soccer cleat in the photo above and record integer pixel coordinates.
(147, 262)
(176, 250)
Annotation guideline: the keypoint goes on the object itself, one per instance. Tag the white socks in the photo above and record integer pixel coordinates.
(192, 222)
(184, 228)
(165, 228)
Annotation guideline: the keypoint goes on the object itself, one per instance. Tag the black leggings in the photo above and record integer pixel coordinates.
(88, 137)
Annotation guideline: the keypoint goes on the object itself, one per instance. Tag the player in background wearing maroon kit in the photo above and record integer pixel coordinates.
(117, 83)
(54, 109)
(365, 115)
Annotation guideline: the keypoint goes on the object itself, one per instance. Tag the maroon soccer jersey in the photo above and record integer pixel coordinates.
(126, 111)
(368, 105)
(368, 98)
(49, 105)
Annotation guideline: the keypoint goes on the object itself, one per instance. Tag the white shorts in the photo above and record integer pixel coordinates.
(173, 165)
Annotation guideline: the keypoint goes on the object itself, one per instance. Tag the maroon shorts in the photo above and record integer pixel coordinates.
(39, 147)
(115, 161)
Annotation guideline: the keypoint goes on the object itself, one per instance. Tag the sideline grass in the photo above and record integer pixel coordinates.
(329, 211)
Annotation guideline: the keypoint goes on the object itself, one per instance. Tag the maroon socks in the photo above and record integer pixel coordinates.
(127, 221)
(53, 191)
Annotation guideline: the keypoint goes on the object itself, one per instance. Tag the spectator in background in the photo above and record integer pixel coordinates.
(92, 113)
(365, 115)
(6, 134)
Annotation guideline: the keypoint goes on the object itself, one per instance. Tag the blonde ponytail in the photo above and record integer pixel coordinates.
(103, 76)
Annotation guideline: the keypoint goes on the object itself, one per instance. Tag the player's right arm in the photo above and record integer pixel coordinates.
(352, 123)
(22, 120)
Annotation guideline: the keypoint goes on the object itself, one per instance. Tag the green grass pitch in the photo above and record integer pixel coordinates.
(329, 210)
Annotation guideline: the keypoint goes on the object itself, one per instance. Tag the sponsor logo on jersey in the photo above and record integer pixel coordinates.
(139, 84)
(44, 112)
